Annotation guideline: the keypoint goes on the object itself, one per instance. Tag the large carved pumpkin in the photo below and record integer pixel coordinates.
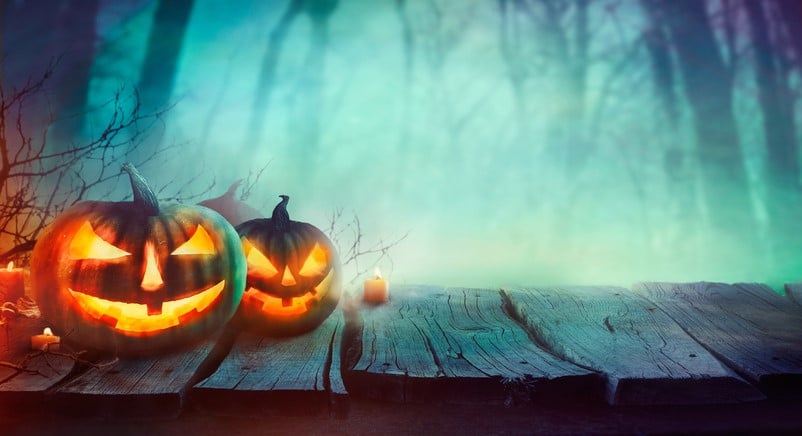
(294, 274)
(133, 277)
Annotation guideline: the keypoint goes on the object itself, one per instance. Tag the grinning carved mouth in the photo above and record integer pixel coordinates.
(277, 306)
(133, 318)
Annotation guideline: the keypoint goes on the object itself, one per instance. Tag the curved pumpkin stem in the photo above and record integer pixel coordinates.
(233, 189)
(281, 218)
(143, 195)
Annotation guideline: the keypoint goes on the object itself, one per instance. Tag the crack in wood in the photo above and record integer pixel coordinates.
(608, 325)
(537, 336)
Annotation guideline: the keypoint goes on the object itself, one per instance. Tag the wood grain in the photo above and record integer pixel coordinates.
(134, 387)
(457, 345)
(20, 390)
(752, 329)
(261, 374)
(645, 356)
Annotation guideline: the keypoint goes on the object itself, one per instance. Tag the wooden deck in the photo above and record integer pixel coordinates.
(654, 345)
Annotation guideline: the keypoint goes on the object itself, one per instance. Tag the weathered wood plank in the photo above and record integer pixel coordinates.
(793, 291)
(644, 354)
(259, 374)
(752, 329)
(19, 390)
(144, 386)
(456, 345)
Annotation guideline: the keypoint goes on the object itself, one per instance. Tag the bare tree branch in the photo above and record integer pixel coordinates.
(39, 181)
(347, 236)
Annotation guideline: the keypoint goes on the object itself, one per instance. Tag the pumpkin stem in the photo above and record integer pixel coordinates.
(233, 189)
(143, 195)
(281, 218)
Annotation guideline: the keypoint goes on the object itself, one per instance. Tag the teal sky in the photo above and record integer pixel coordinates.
(451, 153)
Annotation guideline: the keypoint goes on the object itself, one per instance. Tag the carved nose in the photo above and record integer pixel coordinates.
(287, 279)
(152, 279)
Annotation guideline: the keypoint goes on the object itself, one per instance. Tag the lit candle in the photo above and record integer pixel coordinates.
(376, 289)
(40, 342)
(12, 285)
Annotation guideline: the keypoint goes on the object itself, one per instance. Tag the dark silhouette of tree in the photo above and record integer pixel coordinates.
(165, 42)
(77, 29)
(35, 33)
(707, 87)
(662, 65)
(38, 182)
(409, 48)
(790, 12)
(307, 103)
(267, 74)
(776, 103)
(516, 64)
(2, 40)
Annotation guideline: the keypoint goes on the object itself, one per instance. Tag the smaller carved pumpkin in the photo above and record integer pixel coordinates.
(294, 274)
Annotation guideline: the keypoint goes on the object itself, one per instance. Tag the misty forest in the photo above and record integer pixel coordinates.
(466, 143)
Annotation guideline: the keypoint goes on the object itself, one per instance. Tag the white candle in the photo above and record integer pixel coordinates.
(12, 285)
(40, 342)
(376, 289)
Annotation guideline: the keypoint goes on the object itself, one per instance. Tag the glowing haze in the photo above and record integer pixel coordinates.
(433, 139)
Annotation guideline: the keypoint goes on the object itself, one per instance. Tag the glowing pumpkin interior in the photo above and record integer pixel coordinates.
(259, 264)
(134, 319)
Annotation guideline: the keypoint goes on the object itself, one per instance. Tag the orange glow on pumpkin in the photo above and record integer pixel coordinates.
(86, 244)
(316, 262)
(258, 262)
(287, 279)
(133, 319)
(152, 279)
(199, 243)
(286, 307)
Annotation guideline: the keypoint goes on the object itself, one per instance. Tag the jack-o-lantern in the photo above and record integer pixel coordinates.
(133, 277)
(294, 274)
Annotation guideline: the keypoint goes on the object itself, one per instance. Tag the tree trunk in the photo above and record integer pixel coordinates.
(408, 41)
(579, 62)
(782, 166)
(791, 11)
(264, 89)
(657, 44)
(76, 29)
(309, 103)
(707, 87)
(567, 123)
(2, 41)
(515, 67)
(165, 42)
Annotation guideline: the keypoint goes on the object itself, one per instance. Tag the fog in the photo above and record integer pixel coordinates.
(455, 124)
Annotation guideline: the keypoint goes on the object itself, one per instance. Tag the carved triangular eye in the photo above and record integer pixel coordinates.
(316, 262)
(258, 263)
(199, 243)
(86, 244)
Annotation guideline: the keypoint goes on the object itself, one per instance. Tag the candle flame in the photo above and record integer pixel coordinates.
(47, 332)
(10, 266)
(377, 272)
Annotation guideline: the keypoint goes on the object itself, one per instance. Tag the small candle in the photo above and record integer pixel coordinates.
(376, 289)
(12, 283)
(40, 342)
